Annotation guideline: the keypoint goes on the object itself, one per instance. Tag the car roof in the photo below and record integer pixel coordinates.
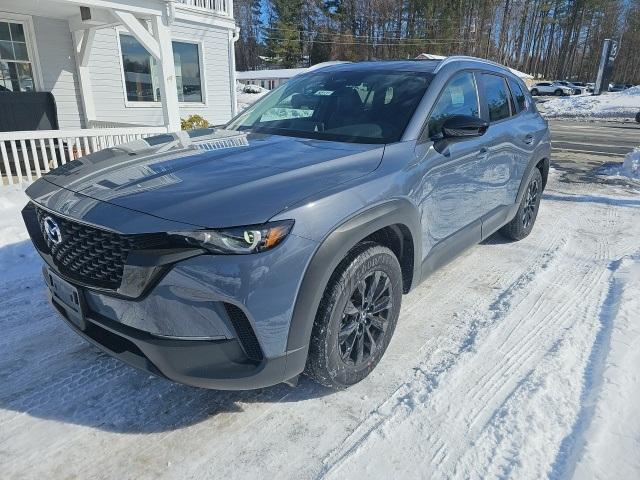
(416, 65)
(425, 66)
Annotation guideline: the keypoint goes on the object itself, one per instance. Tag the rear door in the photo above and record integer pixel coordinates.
(497, 186)
(529, 130)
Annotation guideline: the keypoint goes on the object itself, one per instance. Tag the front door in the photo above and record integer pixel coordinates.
(452, 197)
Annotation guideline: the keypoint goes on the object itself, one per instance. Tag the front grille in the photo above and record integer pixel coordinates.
(91, 255)
(245, 333)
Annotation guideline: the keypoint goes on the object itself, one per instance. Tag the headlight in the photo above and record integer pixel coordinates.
(239, 240)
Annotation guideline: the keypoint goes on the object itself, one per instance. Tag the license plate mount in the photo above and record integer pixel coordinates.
(66, 295)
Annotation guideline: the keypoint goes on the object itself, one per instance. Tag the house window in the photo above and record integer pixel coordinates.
(186, 58)
(142, 72)
(16, 68)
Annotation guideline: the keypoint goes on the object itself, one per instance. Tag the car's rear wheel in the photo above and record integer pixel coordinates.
(534, 92)
(525, 218)
(638, 117)
(356, 318)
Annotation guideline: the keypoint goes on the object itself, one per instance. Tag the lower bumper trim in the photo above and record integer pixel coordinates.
(214, 364)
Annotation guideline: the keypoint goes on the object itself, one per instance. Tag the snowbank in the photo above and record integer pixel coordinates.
(631, 164)
(610, 444)
(12, 199)
(629, 168)
(607, 105)
(248, 94)
(14, 250)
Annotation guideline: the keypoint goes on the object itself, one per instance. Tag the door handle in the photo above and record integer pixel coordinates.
(528, 139)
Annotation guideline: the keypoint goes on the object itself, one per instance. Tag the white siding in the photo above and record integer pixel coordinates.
(215, 45)
(58, 66)
(108, 89)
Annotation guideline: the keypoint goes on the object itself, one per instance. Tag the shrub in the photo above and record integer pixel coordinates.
(193, 122)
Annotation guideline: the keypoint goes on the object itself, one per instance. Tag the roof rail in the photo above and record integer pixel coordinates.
(457, 58)
(326, 64)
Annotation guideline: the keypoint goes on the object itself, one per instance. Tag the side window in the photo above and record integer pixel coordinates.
(521, 100)
(458, 97)
(497, 96)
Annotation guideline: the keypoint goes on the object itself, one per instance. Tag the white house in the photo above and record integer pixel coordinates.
(269, 79)
(117, 70)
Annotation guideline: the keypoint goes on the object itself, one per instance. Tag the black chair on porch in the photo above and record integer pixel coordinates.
(28, 111)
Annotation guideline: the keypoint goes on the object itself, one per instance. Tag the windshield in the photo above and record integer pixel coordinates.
(351, 106)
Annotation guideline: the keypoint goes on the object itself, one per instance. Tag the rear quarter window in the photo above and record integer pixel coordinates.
(518, 93)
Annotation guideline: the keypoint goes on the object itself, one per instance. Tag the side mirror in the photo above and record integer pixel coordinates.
(463, 126)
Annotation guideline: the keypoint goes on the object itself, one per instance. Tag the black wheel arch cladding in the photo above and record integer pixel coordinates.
(331, 252)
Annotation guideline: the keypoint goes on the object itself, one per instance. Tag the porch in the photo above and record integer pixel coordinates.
(106, 95)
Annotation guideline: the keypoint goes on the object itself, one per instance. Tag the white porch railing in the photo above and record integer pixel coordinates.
(106, 124)
(221, 7)
(28, 155)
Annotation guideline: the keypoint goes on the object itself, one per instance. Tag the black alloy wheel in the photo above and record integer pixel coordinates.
(531, 203)
(522, 223)
(365, 319)
(356, 317)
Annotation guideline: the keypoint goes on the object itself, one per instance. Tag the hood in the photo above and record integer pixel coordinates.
(214, 178)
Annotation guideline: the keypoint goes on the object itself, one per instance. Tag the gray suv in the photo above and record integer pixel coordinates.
(240, 257)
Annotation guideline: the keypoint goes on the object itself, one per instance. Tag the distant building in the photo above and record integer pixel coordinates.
(271, 79)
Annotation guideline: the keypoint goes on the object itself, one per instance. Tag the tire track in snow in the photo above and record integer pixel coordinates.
(565, 461)
(426, 380)
(587, 275)
(523, 346)
(524, 350)
(467, 422)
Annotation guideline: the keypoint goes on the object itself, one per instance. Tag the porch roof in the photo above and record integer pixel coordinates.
(149, 21)
(67, 9)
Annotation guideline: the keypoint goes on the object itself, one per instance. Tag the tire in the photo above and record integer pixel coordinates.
(638, 117)
(558, 93)
(525, 218)
(341, 352)
(534, 92)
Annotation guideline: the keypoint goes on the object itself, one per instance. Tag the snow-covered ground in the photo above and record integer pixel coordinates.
(630, 167)
(625, 104)
(248, 94)
(517, 360)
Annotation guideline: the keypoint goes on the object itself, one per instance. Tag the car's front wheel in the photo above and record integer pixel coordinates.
(356, 318)
(558, 93)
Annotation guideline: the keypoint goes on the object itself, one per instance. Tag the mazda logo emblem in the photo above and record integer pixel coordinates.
(52, 230)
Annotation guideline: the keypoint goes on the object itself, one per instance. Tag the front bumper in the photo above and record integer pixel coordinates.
(182, 331)
(214, 321)
(216, 364)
